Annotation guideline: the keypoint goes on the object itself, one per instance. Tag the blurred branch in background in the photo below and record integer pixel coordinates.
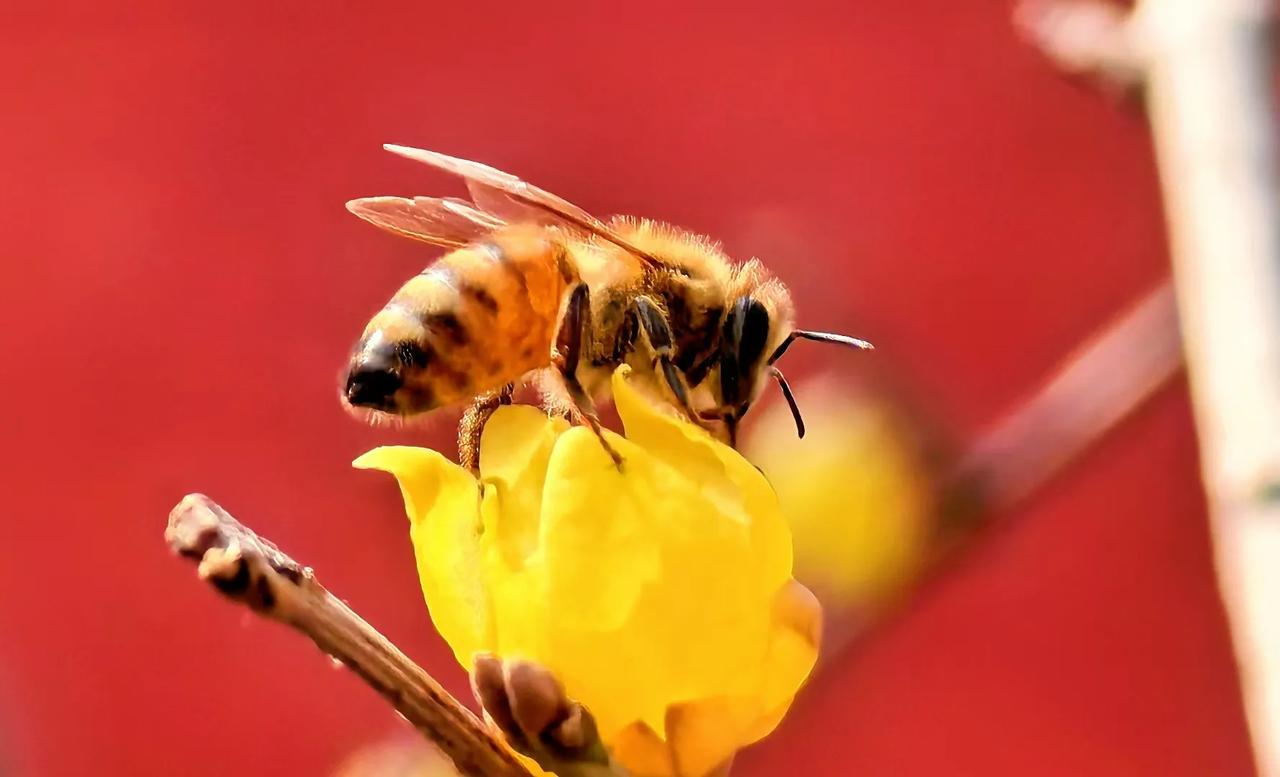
(1093, 390)
(1207, 69)
(917, 518)
(1086, 38)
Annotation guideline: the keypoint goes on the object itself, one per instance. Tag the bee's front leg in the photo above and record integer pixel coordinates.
(575, 329)
(662, 342)
(471, 427)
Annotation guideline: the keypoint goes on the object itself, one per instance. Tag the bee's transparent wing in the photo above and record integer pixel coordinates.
(508, 198)
(448, 222)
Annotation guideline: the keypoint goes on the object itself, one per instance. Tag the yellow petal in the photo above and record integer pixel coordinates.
(703, 735)
(442, 501)
(642, 752)
(661, 433)
(793, 650)
(517, 592)
(723, 475)
(515, 448)
(596, 536)
(516, 443)
(598, 553)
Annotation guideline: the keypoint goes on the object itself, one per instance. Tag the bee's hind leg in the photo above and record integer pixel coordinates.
(471, 427)
(575, 330)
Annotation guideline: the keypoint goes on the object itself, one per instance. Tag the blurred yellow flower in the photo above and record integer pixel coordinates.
(661, 596)
(858, 545)
(400, 756)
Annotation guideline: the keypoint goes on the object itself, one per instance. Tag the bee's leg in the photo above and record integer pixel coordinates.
(472, 424)
(575, 330)
(662, 341)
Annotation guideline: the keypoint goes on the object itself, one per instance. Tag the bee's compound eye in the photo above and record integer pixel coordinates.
(373, 385)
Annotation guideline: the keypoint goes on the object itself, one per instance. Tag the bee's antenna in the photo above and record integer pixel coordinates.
(822, 337)
(791, 399)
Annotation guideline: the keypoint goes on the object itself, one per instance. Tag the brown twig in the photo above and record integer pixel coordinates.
(254, 572)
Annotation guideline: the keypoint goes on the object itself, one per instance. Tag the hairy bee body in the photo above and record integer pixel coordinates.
(535, 288)
(691, 290)
(481, 316)
(486, 314)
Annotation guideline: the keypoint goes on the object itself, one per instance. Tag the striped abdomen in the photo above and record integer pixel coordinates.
(478, 318)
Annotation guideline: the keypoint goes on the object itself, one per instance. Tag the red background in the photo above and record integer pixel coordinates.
(182, 285)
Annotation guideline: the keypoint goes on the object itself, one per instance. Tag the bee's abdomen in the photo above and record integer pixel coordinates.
(479, 317)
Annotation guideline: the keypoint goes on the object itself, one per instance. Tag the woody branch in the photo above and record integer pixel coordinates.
(254, 572)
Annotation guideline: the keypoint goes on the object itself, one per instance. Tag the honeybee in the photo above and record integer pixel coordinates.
(535, 289)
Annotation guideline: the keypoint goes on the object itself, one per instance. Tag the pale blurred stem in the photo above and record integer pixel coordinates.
(254, 572)
(1091, 392)
(1207, 67)
(1094, 389)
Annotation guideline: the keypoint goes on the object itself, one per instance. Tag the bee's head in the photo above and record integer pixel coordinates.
(385, 376)
(746, 333)
(757, 330)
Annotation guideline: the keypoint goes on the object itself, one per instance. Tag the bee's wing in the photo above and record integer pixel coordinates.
(507, 197)
(447, 222)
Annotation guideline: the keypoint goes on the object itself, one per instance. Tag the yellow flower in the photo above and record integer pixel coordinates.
(661, 595)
